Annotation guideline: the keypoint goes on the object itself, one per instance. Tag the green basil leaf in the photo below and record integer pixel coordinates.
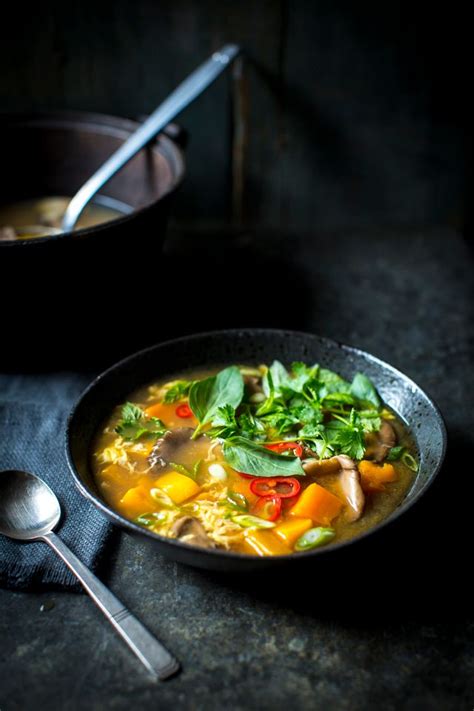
(247, 457)
(332, 382)
(363, 389)
(208, 395)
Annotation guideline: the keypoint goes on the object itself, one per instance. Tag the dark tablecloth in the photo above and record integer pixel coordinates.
(33, 411)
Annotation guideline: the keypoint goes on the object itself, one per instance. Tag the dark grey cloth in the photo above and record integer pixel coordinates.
(33, 411)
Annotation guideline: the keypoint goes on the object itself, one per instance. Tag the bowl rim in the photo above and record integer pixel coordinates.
(121, 521)
(102, 123)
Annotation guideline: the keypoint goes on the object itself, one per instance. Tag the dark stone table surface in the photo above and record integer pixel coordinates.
(390, 627)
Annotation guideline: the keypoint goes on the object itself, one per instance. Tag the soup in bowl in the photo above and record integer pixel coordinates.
(297, 447)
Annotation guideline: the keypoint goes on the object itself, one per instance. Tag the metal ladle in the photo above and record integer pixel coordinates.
(29, 511)
(181, 97)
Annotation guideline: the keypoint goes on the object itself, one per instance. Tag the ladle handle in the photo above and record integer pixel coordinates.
(181, 97)
(159, 662)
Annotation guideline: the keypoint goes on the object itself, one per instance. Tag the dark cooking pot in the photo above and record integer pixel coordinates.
(53, 154)
(250, 346)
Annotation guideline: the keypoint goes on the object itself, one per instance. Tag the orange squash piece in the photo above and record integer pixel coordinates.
(157, 410)
(264, 542)
(242, 486)
(318, 504)
(178, 486)
(290, 530)
(374, 476)
(166, 412)
(135, 502)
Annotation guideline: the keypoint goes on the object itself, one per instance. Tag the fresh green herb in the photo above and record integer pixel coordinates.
(346, 435)
(135, 424)
(247, 521)
(332, 382)
(183, 470)
(208, 395)
(151, 519)
(196, 468)
(246, 456)
(250, 426)
(395, 454)
(177, 391)
(314, 538)
(364, 390)
(308, 402)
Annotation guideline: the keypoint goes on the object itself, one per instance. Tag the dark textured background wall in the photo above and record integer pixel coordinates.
(356, 111)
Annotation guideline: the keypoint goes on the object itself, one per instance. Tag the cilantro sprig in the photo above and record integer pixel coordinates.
(135, 424)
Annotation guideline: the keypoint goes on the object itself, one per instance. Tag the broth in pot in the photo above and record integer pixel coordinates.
(41, 217)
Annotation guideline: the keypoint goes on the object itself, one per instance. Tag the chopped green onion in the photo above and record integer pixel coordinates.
(149, 519)
(146, 519)
(238, 500)
(314, 538)
(217, 472)
(409, 461)
(162, 498)
(247, 521)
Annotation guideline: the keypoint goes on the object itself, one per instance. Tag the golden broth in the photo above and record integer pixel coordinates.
(48, 212)
(121, 466)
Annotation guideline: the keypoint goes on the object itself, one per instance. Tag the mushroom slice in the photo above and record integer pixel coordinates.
(167, 447)
(189, 530)
(350, 484)
(349, 478)
(253, 384)
(385, 440)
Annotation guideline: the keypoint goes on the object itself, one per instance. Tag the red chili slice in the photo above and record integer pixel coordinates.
(246, 476)
(184, 410)
(284, 487)
(268, 507)
(280, 447)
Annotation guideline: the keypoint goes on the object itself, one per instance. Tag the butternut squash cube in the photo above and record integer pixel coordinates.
(289, 531)
(375, 476)
(178, 486)
(264, 543)
(318, 504)
(135, 502)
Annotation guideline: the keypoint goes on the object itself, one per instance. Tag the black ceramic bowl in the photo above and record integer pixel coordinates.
(248, 346)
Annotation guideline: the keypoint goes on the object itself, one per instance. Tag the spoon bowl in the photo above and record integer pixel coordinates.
(28, 507)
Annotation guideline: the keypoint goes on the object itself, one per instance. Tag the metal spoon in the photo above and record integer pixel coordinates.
(29, 511)
(181, 97)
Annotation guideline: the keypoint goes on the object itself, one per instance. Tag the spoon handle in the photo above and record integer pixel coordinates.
(181, 97)
(150, 652)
